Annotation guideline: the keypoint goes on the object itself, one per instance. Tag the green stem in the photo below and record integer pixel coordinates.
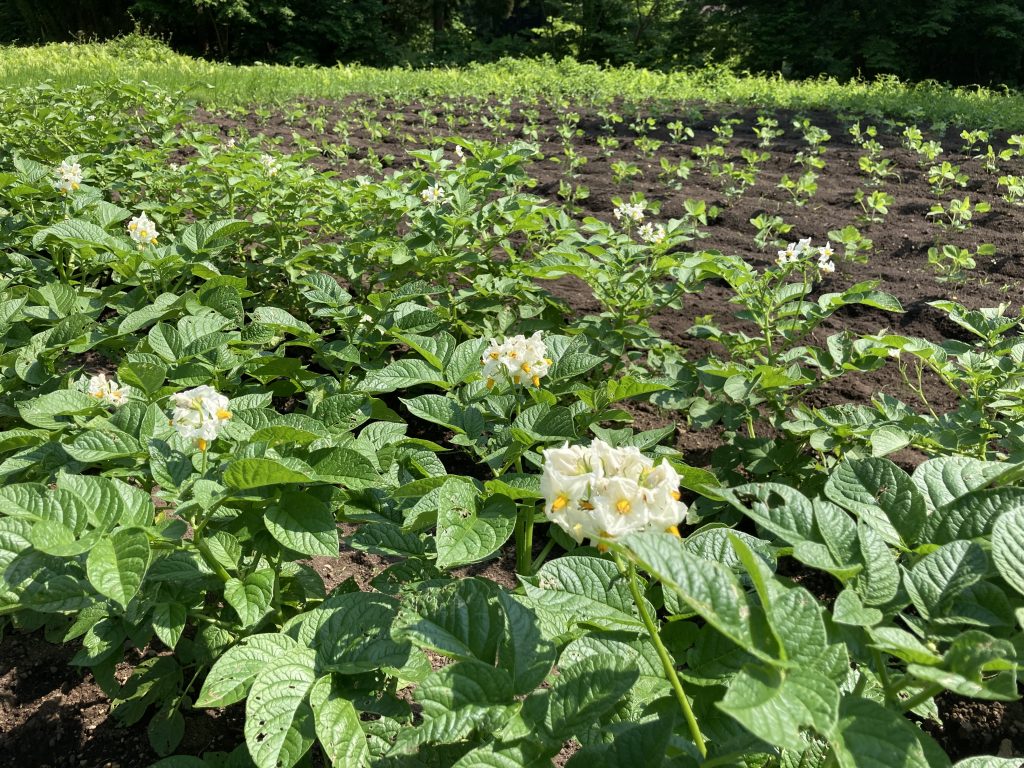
(883, 673)
(539, 560)
(921, 697)
(666, 660)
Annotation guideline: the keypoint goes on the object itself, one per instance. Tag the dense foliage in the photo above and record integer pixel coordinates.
(957, 41)
(218, 363)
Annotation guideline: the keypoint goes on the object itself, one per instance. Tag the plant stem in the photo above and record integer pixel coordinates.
(920, 697)
(666, 659)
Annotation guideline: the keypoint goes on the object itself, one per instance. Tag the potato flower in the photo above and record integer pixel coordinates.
(793, 252)
(652, 233)
(523, 360)
(108, 390)
(598, 492)
(631, 212)
(142, 230)
(200, 414)
(825, 263)
(433, 194)
(269, 164)
(69, 177)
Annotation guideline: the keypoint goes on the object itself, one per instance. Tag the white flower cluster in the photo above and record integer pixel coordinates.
(433, 195)
(598, 492)
(633, 212)
(652, 233)
(200, 414)
(523, 360)
(269, 164)
(142, 230)
(825, 263)
(459, 153)
(108, 390)
(794, 252)
(69, 177)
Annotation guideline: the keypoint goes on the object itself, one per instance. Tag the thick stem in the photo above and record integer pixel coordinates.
(921, 697)
(666, 660)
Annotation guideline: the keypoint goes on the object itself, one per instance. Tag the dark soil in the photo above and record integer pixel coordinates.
(52, 714)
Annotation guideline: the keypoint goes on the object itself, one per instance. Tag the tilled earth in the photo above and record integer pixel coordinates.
(54, 715)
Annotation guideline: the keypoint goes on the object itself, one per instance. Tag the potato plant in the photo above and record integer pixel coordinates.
(219, 363)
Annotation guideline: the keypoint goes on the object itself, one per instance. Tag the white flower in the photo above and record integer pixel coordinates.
(142, 230)
(200, 414)
(459, 153)
(826, 252)
(630, 212)
(827, 266)
(433, 194)
(652, 233)
(108, 390)
(894, 353)
(69, 177)
(598, 492)
(90, 118)
(523, 360)
(269, 164)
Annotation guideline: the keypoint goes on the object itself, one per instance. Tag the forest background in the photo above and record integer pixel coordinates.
(953, 41)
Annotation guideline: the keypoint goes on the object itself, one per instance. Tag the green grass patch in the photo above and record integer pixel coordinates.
(137, 59)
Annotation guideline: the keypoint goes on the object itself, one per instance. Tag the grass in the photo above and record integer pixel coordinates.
(135, 58)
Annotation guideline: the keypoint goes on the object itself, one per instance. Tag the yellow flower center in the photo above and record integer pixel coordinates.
(536, 381)
(525, 367)
(674, 530)
(223, 415)
(623, 507)
(559, 503)
(202, 445)
(676, 495)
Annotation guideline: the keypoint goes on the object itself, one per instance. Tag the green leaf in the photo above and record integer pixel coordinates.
(281, 320)
(709, 589)
(347, 468)
(777, 705)
(147, 376)
(165, 730)
(304, 524)
(355, 634)
(585, 691)
(1008, 548)
(465, 361)
(169, 622)
(276, 732)
(258, 473)
(946, 478)
(250, 597)
(883, 495)
(790, 517)
(117, 564)
(166, 342)
(971, 516)
(50, 411)
(402, 374)
(232, 674)
(523, 651)
(459, 620)
(938, 578)
(848, 609)
(870, 736)
(338, 727)
(98, 445)
(465, 536)
(575, 590)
